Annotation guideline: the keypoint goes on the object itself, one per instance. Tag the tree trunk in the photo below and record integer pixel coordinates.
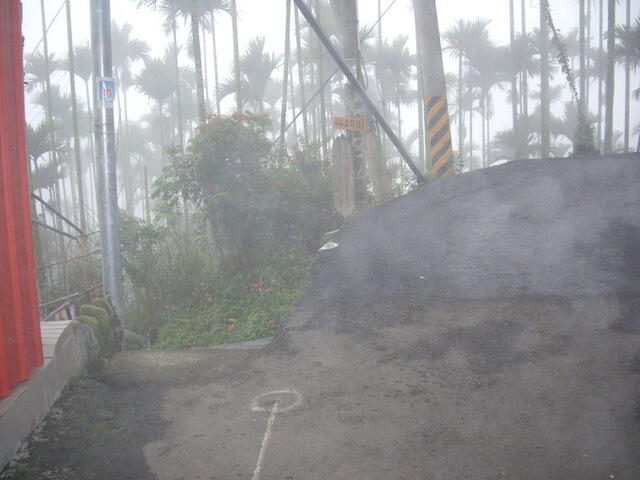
(514, 83)
(205, 67)
(587, 76)
(195, 36)
(176, 69)
(292, 104)
(524, 120)
(74, 113)
(470, 131)
(483, 113)
(600, 73)
(583, 56)
(303, 98)
(544, 83)
(236, 56)
(53, 156)
(323, 106)
(609, 87)
(285, 77)
(147, 198)
(420, 81)
(215, 63)
(627, 86)
(346, 15)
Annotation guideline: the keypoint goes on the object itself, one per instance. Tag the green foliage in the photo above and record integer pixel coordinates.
(89, 321)
(258, 222)
(222, 174)
(252, 202)
(239, 308)
(162, 268)
(103, 328)
(134, 341)
(584, 136)
(105, 305)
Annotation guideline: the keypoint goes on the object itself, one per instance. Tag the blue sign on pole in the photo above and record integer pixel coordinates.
(106, 91)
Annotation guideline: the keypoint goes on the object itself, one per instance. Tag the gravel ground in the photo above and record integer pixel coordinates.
(485, 326)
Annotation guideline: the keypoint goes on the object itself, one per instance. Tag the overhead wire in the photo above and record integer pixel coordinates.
(49, 26)
(302, 110)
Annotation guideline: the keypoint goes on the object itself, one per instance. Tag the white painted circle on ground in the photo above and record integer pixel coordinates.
(278, 401)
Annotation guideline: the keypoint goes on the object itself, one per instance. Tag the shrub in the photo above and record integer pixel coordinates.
(247, 307)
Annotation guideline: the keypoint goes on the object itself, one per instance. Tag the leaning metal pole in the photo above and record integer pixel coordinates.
(359, 89)
(105, 158)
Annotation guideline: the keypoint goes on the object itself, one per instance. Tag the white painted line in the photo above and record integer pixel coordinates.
(265, 441)
(279, 401)
(287, 399)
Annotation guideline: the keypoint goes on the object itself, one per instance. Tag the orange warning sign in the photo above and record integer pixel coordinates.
(349, 123)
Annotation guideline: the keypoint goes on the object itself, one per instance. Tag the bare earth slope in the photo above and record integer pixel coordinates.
(485, 326)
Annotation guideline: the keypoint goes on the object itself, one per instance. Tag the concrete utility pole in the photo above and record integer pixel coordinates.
(103, 96)
(435, 99)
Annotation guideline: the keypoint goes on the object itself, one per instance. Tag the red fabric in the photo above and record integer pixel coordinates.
(20, 340)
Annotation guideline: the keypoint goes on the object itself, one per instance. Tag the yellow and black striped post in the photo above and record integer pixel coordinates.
(435, 98)
(439, 133)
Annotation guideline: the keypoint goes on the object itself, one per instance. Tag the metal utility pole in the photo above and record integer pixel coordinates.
(359, 89)
(435, 94)
(103, 96)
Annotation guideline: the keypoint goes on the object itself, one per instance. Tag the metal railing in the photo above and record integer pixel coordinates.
(66, 304)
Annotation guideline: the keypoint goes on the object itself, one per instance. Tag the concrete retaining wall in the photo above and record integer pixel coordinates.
(66, 351)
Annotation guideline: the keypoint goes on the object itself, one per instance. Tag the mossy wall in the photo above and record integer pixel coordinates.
(100, 317)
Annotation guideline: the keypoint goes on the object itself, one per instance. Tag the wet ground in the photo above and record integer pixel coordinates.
(483, 327)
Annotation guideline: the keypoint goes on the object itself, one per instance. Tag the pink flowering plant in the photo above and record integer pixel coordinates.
(246, 308)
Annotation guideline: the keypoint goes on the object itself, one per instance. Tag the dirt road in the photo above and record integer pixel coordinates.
(485, 326)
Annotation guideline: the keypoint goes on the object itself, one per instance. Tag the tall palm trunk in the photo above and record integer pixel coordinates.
(292, 105)
(285, 75)
(600, 74)
(215, 63)
(323, 108)
(303, 98)
(582, 46)
(176, 69)
(627, 85)
(74, 114)
(544, 82)
(54, 157)
(422, 152)
(460, 114)
(205, 67)
(470, 130)
(514, 82)
(609, 87)
(587, 94)
(236, 55)
(524, 127)
(195, 36)
(346, 14)
(483, 114)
